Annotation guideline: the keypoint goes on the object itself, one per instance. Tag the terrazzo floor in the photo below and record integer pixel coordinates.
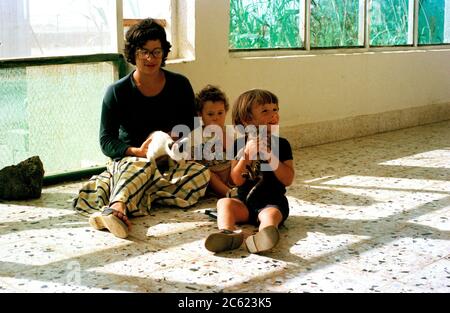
(367, 215)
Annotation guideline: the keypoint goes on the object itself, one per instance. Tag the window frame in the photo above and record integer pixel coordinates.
(115, 56)
(366, 48)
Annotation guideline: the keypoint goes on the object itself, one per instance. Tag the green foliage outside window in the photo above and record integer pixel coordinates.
(432, 21)
(262, 24)
(335, 23)
(267, 24)
(389, 22)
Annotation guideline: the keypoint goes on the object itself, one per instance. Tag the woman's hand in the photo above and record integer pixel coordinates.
(144, 147)
(140, 152)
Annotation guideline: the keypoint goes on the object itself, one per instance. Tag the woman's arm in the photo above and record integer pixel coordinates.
(109, 127)
(184, 106)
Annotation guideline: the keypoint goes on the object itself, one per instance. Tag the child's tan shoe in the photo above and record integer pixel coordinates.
(264, 240)
(224, 240)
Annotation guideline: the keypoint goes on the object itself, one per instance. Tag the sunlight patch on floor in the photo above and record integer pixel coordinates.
(433, 159)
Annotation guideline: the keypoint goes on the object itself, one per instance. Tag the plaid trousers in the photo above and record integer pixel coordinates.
(138, 183)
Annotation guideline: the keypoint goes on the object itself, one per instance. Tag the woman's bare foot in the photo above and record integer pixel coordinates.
(119, 211)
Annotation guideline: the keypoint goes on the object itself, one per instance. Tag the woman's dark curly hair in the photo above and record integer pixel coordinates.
(210, 93)
(138, 35)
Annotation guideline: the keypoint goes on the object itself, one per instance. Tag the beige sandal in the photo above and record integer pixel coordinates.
(264, 240)
(106, 219)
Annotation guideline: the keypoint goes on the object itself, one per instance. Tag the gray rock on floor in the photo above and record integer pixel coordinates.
(22, 181)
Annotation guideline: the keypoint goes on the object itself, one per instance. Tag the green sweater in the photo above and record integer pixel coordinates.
(128, 117)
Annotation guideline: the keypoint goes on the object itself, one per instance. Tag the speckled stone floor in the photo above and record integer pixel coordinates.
(367, 215)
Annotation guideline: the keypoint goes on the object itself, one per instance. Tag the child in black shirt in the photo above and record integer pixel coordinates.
(262, 170)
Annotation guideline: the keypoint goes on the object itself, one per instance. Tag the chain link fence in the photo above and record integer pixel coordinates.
(53, 111)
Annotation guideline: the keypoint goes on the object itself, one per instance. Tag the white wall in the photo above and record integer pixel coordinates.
(317, 87)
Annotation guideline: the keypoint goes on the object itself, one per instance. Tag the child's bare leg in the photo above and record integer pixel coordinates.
(269, 217)
(229, 212)
(268, 235)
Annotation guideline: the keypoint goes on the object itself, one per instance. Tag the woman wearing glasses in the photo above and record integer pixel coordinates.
(150, 98)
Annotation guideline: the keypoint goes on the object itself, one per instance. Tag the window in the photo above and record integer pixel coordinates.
(266, 24)
(139, 9)
(32, 28)
(434, 22)
(36, 28)
(314, 24)
(337, 23)
(135, 10)
(53, 111)
(391, 22)
(49, 105)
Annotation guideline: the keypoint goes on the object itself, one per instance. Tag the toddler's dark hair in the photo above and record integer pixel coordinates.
(210, 93)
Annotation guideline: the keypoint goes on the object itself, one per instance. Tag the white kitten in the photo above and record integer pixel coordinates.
(162, 144)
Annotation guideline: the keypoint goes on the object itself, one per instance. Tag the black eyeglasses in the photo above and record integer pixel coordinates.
(156, 53)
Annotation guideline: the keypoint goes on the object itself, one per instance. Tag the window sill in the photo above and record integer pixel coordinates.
(180, 60)
(289, 53)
